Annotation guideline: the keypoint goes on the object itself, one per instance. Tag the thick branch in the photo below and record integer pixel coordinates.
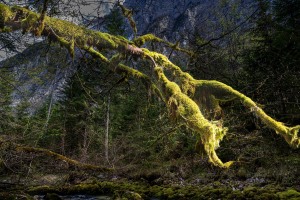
(178, 95)
(290, 134)
(189, 85)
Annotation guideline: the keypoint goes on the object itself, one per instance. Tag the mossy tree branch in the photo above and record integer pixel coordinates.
(140, 41)
(4, 145)
(179, 95)
(129, 15)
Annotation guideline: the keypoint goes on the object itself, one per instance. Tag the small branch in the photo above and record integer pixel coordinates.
(7, 145)
(228, 32)
(152, 38)
(129, 15)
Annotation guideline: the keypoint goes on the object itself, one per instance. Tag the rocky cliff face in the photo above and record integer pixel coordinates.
(40, 72)
(170, 19)
(165, 17)
(175, 19)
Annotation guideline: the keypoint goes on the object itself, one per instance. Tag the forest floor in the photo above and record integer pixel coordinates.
(66, 186)
(151, 184)
(263, 171)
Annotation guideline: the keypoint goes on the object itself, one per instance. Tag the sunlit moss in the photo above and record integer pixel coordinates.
(140, 41)
(179, 94)
(69, 45)
(96, 54)
(185, 80)
(184, 108)
(290, 134)
(133, 72)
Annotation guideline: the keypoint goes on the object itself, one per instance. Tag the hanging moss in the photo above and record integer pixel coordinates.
(68, 45)
(96, 54)
(133, 72)
(184, 108)
(290, 134)
(179, 95)
(208, 103)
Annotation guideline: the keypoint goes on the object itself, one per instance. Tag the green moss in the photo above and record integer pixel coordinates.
(127, 195)
(52, 196)
(293, 137)
(178, 94)
(96, 54)
(64, 28)
(61, 157)
(185, 80)
(29, 23)
(110, 41)
(69, 45)
(5, 30)
(181, 107)
(187, 86)
(290, 134)
(137, 191)
(290, 194)
(267, 195)
(128, 14)
(133, 72)
(85, 188)
(5, 14)
(140, 41)
(44, 189)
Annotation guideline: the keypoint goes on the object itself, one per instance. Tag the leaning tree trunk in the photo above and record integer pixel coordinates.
(107, 122)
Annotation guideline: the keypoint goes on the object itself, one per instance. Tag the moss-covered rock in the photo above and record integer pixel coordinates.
(124, 189)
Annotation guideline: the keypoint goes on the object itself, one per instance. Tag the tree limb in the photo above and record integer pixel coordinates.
(179, 95)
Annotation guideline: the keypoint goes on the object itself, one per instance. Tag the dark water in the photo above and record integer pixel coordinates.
(76, 197)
